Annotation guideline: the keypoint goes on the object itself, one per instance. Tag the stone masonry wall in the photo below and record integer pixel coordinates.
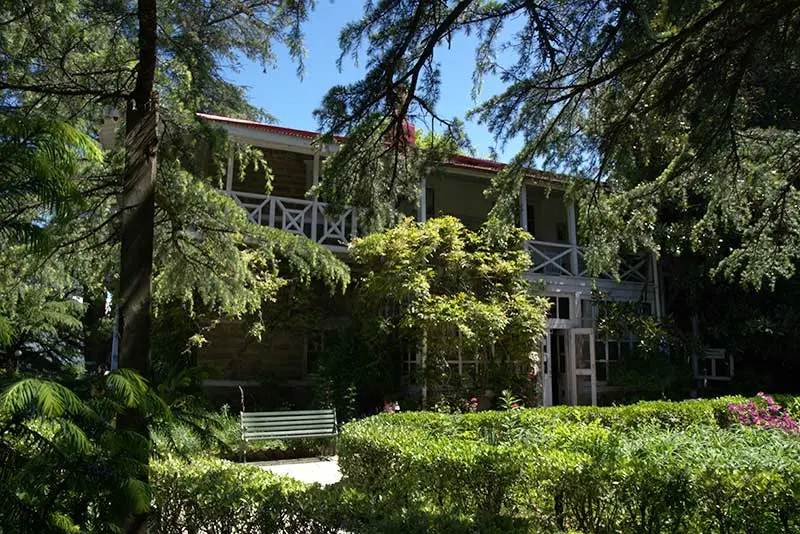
(234, 355)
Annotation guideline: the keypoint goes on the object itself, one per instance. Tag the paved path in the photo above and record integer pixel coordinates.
(321, 470)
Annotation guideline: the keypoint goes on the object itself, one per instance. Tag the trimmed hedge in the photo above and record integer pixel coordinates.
(651, 467)
(218, 497)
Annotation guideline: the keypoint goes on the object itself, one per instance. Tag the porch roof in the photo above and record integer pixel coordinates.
(456, 162)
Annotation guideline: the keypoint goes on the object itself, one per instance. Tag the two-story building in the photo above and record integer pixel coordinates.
(576, 364)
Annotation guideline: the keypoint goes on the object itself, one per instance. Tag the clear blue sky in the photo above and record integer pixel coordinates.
(291, 100)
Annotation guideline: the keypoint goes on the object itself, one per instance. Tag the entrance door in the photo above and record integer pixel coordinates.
(581, 364)
(547, 371)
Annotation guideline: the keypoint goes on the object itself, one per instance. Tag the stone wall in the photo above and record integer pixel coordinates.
(232, 354)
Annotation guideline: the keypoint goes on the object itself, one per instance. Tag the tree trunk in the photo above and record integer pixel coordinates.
(138, 205)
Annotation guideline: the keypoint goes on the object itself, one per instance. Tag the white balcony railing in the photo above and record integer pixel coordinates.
(308, 218)
(300, 216)
(564, 259)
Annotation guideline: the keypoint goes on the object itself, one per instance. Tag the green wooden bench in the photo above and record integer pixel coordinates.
(287, 425)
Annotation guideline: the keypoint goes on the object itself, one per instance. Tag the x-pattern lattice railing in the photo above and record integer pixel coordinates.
(300, 216)
(557, 259)
(551, 258)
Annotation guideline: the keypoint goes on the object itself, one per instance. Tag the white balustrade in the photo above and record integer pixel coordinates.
(309, 218)
(555, 259)
(300, 216)
(550, 258)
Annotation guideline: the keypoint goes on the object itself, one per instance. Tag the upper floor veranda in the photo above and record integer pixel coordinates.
(296, 165)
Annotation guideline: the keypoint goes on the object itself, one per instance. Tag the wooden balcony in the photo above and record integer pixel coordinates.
(300, 216)
(309, 218)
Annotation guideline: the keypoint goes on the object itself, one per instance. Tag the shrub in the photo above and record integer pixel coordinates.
(652, 467)
(216, 496)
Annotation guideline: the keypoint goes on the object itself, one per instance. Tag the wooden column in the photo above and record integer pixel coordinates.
(229, 173)
(315, 172)
(573, 239)
(523, 208)
(656, 285)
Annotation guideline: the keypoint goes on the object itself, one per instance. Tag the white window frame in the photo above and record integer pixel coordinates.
(714, 355)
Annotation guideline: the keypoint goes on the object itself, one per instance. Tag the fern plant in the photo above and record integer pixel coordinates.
(39, 161)
(64, 464)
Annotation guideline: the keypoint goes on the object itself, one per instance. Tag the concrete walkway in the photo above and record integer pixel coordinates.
(310, 470)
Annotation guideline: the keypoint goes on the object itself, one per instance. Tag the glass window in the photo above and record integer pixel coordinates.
(551, 311)
(583, 356)
(601, 370)
(715, 364)
(559, 308)
(600, 350)
(584, 385)
(563, 307)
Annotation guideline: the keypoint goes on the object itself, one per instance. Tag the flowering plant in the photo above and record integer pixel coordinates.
(391, 407)
(765, 413)
(471, 405)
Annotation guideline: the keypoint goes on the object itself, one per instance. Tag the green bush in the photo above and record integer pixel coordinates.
(216, 496)
(651, 467)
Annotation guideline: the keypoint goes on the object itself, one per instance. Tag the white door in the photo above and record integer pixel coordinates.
(582, 377)
(547, 371)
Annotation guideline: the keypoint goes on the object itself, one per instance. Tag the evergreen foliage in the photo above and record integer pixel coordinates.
(652, 467)
(38, 159)
(682, 114)
(66, 465)
(81, 62)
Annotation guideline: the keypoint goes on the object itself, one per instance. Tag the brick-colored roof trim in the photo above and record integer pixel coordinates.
(464, 162)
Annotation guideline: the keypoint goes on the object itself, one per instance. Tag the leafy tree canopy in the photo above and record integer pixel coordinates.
(683, 110)
(453, 290)
(66, 63)
(74, 453)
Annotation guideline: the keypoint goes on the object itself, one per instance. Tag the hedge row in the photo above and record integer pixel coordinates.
(653, 467)
(664, 414)
(215, 496)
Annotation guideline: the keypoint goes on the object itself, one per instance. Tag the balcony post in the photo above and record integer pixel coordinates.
(573, 239)
(315, 169)
(229, 172)
(523, 207)
(315, 205)
(421, 215)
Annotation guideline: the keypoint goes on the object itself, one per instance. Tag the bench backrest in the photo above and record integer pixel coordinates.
(291, 424)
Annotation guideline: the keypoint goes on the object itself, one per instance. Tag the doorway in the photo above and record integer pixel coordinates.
(568, 367)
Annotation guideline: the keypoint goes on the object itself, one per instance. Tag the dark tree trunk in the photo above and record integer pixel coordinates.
(138, 204)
